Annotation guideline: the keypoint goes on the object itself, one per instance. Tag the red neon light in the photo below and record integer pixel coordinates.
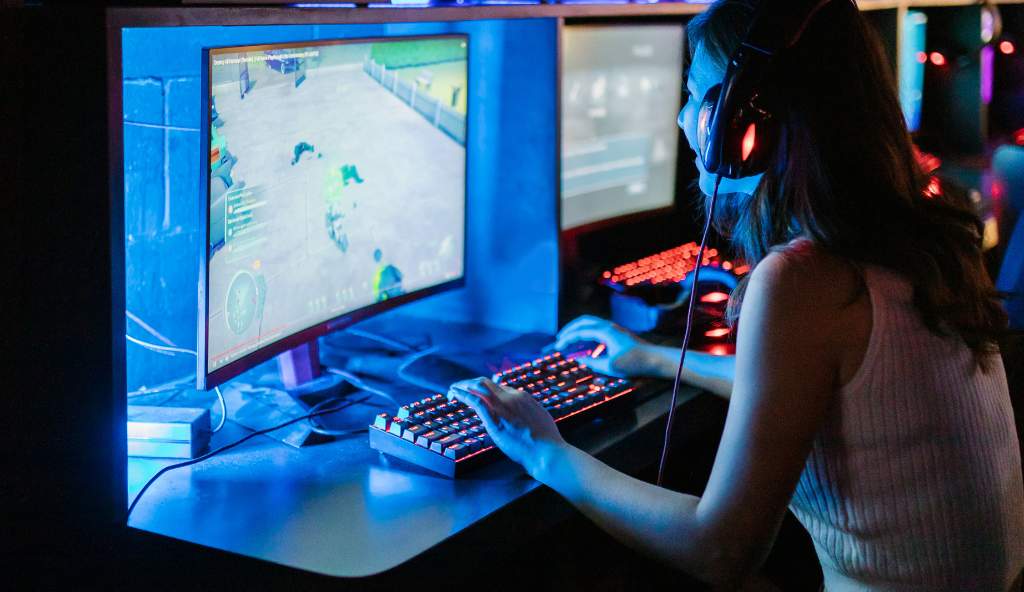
(1007, 47)
(719, 350)
(922, 57)
(998, 190)
(749, 141)
(934, 188)
(717, 332)
(938, 59)
(929, 162)
(714, 297)
(1018, 137)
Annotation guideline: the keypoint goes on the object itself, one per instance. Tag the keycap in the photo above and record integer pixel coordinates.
(450, 439)
(427, 438)
(439, 445)
(381, 421)
(431, 424)
(412, 431)
(457, 451)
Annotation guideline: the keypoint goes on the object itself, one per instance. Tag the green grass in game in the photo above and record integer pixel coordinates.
(438, 64)
(415, 53)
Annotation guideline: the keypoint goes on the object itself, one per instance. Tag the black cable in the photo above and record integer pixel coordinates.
(212, 453)
(318, 428)
(686, 335)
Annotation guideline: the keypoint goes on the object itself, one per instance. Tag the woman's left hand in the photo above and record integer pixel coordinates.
(519, 426)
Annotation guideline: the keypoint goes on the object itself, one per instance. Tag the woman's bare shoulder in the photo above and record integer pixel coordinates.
(807, 275)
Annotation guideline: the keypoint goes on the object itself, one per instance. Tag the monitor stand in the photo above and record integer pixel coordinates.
(300, 386)
(300, 365)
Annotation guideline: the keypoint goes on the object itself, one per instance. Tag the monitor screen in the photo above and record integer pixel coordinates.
(336, 188)
(621, 95)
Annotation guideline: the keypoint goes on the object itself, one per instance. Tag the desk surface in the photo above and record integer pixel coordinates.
(340, 508)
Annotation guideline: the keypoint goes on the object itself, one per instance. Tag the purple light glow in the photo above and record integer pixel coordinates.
(988, 64)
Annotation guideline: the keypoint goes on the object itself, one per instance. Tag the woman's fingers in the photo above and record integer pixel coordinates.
(473, 394)
(582, 321)
(586, 333)
(492, 387)
(602, 365)
(474, 402)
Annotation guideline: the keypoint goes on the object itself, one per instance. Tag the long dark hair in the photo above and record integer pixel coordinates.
(846, 174)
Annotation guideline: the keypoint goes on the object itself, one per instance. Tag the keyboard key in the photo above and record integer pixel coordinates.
(457, 451)
(412, 431)
(431, 424)
(397, 426)
(450, 439)
(381, 421)
(577, 390)
(428, 438)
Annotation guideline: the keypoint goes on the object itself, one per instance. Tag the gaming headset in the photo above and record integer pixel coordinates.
(737, 129)
(737, 126)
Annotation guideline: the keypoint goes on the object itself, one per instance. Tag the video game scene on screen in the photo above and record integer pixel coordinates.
(621, 93)
(336, 181)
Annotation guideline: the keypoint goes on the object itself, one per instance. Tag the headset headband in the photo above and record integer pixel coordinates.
(777, 25)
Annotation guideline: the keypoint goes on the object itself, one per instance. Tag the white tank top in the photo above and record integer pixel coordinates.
(914, 482)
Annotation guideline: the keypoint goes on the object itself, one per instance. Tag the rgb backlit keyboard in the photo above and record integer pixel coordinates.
(667, 267)
(448, 437)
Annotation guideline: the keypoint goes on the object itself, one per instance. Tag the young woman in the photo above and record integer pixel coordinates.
(868, 394)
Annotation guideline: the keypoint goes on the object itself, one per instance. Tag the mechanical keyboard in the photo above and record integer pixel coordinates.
(667, 267)
(448, 437)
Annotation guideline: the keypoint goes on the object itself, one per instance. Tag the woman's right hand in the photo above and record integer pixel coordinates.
(626, 355)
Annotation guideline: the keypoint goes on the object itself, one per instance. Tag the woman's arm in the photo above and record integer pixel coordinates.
(703, 370)
(785, 371)
(627, 355)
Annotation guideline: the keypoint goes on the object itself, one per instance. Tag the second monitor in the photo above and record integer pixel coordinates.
(621, 94)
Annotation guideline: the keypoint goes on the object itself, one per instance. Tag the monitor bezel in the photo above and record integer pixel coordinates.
(206, 379)
(681, 146)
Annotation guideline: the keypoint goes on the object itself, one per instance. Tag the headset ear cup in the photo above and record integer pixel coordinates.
(705, 120)
(753, 141)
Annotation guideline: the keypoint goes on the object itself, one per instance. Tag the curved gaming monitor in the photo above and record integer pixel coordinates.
(336, 189)
(621, 94)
